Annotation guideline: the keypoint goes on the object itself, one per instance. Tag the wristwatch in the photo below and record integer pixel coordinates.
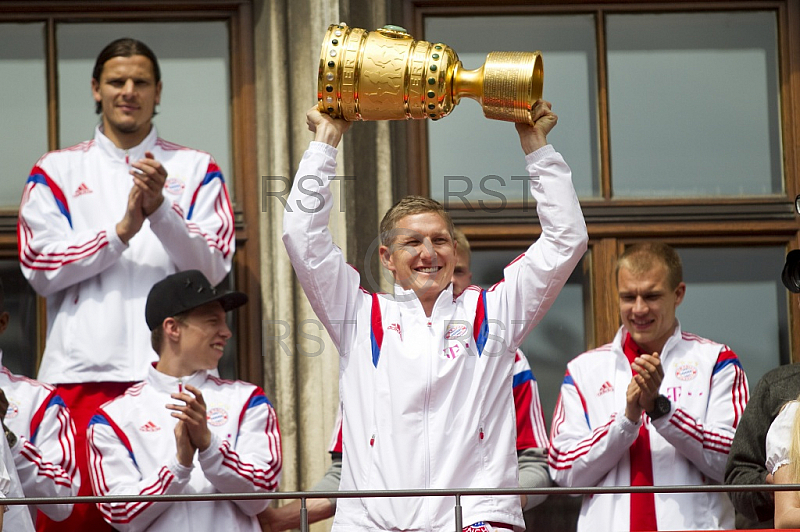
(11, 438)
(661, 407)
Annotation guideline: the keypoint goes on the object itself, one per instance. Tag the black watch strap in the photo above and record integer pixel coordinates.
(661, 407)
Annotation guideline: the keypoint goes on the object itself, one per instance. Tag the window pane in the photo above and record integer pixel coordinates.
(558, 338)
(735, 296)
(467, 144)
(694, 104)
(195, 71)
(18, 342)
(23, 82)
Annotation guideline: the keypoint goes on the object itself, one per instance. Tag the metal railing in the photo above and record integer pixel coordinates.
(303, 496)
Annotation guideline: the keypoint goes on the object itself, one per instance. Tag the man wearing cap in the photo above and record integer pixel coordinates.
(183, 430)
(748, 457)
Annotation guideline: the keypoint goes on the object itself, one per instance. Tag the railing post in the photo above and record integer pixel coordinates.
(303, 515)
(459, 524)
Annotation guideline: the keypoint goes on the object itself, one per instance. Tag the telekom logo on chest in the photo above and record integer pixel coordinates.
(673, 393)
(452, 351)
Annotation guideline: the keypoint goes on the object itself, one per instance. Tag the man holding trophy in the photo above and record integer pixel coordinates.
(424, 376)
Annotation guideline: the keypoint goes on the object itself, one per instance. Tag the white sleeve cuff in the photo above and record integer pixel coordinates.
(539, 154)
(321, 147)
(161, 213)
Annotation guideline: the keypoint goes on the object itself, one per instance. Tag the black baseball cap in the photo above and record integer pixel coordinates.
(791, 271)
(184, 291)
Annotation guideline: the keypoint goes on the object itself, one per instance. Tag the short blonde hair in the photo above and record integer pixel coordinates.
(643, 257)
(463, 249)
(406, 207)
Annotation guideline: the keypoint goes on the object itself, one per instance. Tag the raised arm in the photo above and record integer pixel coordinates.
(534, 280)
(330, 284)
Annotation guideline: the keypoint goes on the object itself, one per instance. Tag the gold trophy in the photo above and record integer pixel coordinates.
(387, 75)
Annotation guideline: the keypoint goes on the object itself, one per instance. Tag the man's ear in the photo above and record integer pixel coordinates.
(4, 317)
(172, 329)
(386, 258)
(679, 293)
(96, 91)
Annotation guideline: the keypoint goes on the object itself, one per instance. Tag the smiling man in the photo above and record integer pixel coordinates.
(99, 224)
(656, 406)
(183, 430)
(531, 432)
(425, 378)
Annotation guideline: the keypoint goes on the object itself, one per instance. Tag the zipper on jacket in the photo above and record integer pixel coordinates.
(430, 357)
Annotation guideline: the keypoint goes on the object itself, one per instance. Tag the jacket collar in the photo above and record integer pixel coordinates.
(408, 300)
(169, 384)
(133, 154)
(622, 337)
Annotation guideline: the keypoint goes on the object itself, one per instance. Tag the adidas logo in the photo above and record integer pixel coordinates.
(605, 388)
(149, 427)
(83, 189)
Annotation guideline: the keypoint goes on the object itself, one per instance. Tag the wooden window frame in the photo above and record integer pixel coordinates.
(238, 14)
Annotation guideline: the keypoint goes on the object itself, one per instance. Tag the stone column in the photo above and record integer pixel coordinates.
(301, 364)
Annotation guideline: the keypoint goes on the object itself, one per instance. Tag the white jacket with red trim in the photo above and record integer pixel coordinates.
(532, 439)
(17, 518)
(44, 454)
(531, 431)
(427, 402)
(591, 437)
(95, 285)
(132, 451)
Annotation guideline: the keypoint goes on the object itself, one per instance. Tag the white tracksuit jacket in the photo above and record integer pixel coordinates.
(532, 439)
(591, 437)
(427, 402)
(132, 451)
(531, 430)
(95, 285)
(16, 518)
(44, 454)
